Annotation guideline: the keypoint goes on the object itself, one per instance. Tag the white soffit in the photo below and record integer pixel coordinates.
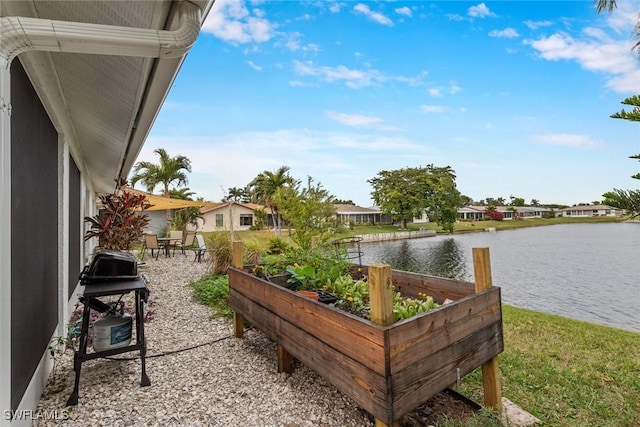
(104, 104)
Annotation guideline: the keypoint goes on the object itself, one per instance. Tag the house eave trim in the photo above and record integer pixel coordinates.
(23, 34)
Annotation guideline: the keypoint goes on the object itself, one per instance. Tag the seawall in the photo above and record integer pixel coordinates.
(398, 235)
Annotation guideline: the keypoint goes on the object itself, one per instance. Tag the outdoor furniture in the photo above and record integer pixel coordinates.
(200, 248)
(176, 237)
(188, 242)
(150, 242)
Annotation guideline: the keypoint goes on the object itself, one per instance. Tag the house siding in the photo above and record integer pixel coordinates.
(230, 218)
(34, 229)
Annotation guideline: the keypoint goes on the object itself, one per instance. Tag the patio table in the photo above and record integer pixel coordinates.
(167, 243)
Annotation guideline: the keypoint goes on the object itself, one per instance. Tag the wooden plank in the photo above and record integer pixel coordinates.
(266, 324)
(416, 384)
(367, 388)
(409, 284)
(357, 338)
(363, 385)
(420, 336)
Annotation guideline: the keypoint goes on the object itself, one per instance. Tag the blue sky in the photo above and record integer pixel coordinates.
(515, 96)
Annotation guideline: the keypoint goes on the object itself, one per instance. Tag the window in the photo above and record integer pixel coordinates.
(246, 219)
(219, 220)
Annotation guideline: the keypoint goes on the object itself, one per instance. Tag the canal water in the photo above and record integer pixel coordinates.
(583, 271)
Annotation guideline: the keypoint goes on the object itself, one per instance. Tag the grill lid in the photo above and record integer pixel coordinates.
(110, 266)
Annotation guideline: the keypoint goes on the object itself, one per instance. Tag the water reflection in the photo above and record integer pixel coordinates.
(584, 271)
(443, 258)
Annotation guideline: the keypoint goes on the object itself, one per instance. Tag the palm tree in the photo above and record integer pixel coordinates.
(264, 188)
(184, 193)
(236, 194)
(169, 170)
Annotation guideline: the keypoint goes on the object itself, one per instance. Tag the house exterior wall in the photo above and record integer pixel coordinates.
(157, 222)
(588, 211)
(234, 212)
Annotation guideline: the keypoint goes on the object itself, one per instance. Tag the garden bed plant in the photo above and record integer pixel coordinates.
(326, 272)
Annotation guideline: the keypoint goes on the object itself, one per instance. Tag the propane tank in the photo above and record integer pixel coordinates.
(112, 331)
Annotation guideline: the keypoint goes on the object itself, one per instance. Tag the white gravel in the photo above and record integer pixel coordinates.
(227, 382)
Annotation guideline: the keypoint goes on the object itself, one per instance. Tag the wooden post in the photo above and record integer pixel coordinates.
(490, 370)
(236, 257)
(380, 294)
(381, 303)
(285, 360)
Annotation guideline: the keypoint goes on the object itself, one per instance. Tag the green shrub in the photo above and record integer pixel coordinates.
(213, 291)
(277, 246)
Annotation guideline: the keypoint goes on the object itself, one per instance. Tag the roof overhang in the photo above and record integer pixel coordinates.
(102, 70)
(161, 203)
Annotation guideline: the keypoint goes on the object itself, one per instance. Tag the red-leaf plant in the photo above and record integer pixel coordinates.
(120, 222)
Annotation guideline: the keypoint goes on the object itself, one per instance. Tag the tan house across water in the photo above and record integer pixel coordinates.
(234, 216)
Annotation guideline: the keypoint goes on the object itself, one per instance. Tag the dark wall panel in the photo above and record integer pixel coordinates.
(34, 235)
(75, 237)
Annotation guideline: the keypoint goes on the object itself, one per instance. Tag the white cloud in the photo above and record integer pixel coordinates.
(353, 78)
(507, 33)
(328, 157)
(359, 120)
(231, 21)
(335, 7)
(374, 16)
(404, 11)
(598, 49)
(623, 18)
(433, 108)
(567, 140)
(534, 25)
(597, 53)
(254, 66)
(480, 11)
(435, 92)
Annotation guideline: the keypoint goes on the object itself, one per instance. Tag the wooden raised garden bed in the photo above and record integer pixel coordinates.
(387, 370)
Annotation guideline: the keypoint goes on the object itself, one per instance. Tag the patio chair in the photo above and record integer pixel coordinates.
(200, 248)
(151, 242)
(187, 242)
(176, 239)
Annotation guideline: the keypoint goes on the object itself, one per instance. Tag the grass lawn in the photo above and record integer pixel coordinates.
(567, 372)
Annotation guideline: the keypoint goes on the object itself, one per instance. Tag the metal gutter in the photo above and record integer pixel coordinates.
(23, 34)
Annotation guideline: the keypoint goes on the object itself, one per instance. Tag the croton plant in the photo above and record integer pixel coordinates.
(120, 222)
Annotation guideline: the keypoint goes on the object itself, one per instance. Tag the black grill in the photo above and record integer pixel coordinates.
(110, 266)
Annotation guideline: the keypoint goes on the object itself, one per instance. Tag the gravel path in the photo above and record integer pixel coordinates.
(226, 382)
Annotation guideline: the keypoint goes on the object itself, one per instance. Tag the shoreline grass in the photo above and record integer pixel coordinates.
(567, 372)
